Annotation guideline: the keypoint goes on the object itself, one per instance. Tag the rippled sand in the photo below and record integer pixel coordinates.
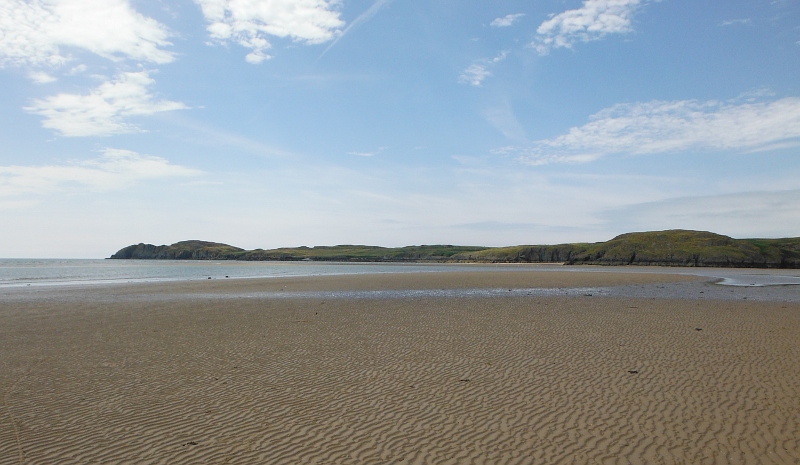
(163, 373)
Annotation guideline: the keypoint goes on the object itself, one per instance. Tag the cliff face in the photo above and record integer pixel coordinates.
(664, 248)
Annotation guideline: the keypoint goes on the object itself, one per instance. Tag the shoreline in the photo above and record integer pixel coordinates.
(222, 269)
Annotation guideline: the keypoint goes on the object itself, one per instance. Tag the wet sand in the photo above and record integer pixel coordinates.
(651, 368)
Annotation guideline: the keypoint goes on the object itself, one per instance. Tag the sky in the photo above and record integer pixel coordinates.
(281, 123)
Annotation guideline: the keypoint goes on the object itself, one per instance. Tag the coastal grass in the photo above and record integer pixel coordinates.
(667, 248)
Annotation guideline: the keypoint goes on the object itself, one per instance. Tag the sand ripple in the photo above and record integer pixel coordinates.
(516, 380)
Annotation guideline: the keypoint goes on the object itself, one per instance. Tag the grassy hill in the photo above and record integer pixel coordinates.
(666, 248)
(200, 250)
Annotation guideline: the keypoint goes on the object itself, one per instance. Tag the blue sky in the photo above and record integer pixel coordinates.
(269, 123)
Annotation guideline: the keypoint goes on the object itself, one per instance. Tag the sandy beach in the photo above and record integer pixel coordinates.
(245, 371)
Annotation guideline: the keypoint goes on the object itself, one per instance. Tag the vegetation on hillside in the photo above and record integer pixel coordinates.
(667, 248)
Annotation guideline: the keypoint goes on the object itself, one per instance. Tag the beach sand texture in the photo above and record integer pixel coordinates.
(107, 375)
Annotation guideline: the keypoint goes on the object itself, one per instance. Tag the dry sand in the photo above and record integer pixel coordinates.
(119, 374)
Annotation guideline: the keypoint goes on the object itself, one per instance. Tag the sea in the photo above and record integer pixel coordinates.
(61, 272)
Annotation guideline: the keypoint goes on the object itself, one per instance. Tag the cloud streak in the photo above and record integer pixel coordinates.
(741, 214)
(592, 21)
(115, 169)
(368, 154)
(103, 111)
(669, 127)
(250, 22)
(362, 18)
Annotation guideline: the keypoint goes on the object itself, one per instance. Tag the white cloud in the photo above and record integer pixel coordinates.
(474, 75)
(33, 32)
(506, 20)
(663, 127)
(40, 77)
(115, 169)
(77, 70)
(477, 72)
(732, 22)
(500, 57)
(103, 111)
(249, 22)
(592, 21)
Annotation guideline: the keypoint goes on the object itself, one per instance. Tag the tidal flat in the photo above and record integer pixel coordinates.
(459, 367)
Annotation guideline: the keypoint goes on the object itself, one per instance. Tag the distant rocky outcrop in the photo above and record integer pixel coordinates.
(662, 248)
(686, 248)
(665, 248)
(184, 250)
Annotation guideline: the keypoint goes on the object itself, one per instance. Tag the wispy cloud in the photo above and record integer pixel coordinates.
(733, 22)
(205, 134)
(368, 154)
(115, 169)
(506, 20)
(668, 127)
(362, 18)
(34, 31)
(741, 214)
(40, 77)
(103, 111)
(477, 72)
(592, 21)
(503, 118)
(474, 75)
(249, 23)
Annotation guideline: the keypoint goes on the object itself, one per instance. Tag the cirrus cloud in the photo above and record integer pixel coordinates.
(102, 112)
(669, 127)
(250, 22)
(115, 169)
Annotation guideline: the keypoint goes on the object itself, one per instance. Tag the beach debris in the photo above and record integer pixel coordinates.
(633, 372)
(698, 329)
(465, 380)
(190, 443)
(209, 277)
(587, 295)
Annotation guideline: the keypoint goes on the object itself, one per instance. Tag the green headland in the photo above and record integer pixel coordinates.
(665, 248)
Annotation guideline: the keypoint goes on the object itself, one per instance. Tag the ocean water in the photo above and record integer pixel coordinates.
(55, 272)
